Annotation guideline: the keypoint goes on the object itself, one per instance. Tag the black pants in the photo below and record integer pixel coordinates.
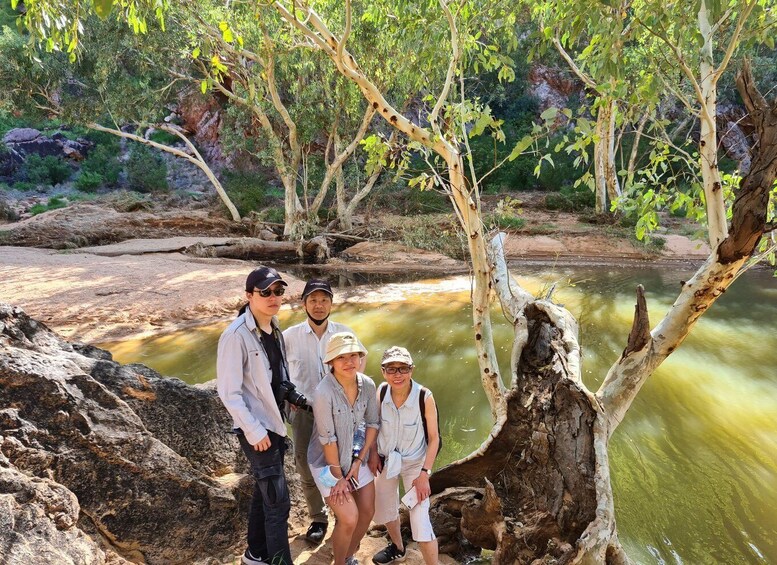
(268, 516)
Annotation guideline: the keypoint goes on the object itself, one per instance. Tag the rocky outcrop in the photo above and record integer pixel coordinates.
(21, 142)
(147, 460)
(732, 122)
(202, 117)
(38, 522)
(553, 87)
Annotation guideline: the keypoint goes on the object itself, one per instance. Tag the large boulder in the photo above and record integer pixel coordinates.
(21, 142)
(38, 522)
(147, 458)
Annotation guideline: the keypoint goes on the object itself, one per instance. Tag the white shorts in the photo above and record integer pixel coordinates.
(365, 478)
(387, 501)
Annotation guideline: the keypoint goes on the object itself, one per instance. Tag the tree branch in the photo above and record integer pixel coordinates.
(195, 160)
(588, 81)
(639, 336)
(452, 63)
(734, 41)
(680, 59)
(626, 377)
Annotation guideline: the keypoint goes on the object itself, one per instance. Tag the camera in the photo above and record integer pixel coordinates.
(289, 393)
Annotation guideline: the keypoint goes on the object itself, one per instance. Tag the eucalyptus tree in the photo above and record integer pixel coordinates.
(702, 42)
(598, 65)
(118, 81)
(292, 100)
(541, 479)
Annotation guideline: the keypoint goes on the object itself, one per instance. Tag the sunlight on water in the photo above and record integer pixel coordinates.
(694, 464)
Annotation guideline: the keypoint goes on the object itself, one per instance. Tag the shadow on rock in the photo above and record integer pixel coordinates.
(147, 460)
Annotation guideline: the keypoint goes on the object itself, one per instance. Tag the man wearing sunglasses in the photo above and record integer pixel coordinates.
(305, 348)
(250, 367)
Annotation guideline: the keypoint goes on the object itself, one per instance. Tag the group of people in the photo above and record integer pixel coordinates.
(352, 440)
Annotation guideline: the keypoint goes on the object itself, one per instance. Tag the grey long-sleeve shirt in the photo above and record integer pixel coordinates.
(243, 379)
(336, 419)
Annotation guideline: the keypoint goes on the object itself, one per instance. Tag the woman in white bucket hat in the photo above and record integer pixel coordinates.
(345, 411)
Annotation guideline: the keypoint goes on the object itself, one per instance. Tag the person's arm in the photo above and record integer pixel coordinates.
(229, 383)
(373, 457)
(325, 425)
(422, 481)
(372, 421)
(339, 492)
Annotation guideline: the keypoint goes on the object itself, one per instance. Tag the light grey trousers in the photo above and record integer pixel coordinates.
(302, 430)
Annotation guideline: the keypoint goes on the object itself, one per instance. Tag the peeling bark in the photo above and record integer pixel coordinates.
(640, 329)
(546, 462)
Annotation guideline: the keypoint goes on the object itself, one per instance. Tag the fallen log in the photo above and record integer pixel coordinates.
(313, 250)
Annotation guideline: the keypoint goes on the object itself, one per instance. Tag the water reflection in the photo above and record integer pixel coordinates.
(694, 464)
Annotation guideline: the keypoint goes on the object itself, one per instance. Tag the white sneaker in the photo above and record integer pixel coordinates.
(249, 559)
(351, 560)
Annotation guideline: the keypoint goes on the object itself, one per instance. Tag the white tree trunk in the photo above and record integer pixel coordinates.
(708, 140)
(341, 156)
(195, 158)
(610, 170)
(316, 31)
(631, 168)
(605, 175)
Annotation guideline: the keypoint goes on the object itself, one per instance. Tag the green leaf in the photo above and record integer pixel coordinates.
(103, 8)
(549, 114)
(520, 147)
(204, 86)
(196, 53)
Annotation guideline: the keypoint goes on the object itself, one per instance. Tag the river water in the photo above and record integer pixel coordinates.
(694, 463)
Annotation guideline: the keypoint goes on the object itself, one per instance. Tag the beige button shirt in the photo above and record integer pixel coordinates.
(304, 353)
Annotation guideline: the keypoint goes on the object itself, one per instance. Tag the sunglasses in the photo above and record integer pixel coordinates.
(280, 291)
(395, 370)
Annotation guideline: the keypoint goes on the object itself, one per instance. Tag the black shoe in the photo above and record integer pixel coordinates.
(316, 532)
(391, 554)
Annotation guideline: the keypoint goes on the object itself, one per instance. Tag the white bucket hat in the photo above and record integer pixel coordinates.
(341, 344)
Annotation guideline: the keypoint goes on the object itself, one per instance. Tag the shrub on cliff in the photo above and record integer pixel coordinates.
(103, 164)
(49, 170)
(146, 171)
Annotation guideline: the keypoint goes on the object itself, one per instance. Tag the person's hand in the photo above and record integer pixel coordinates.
(354, 470)
(373, 462)
(339, 494)
(422, 487)
(263, 444)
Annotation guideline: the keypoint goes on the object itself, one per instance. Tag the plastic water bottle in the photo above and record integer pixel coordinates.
(359, 436)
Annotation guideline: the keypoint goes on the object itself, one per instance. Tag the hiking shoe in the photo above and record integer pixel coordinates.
(351, 560)
(249, 559)
(316, 532)
(391, 554)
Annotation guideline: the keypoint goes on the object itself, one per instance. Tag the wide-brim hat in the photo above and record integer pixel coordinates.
(343, 343)
(396, 354)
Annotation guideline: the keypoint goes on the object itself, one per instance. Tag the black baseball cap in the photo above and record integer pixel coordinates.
(262, 278)
(316, 284)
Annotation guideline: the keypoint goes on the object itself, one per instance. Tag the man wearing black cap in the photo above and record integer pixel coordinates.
(305, 347)
(250, 367)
